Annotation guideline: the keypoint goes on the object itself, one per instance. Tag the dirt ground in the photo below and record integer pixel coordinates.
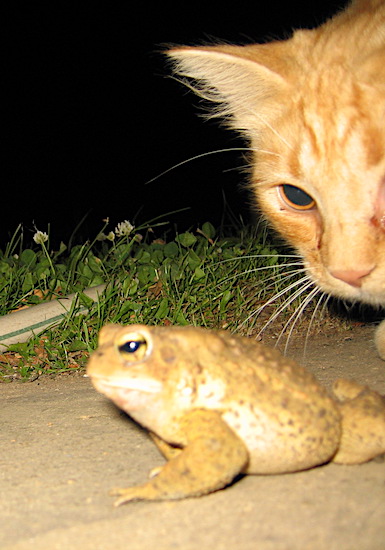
(64, 446)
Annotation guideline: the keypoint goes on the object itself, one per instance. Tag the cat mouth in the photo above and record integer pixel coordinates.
(350, 286)
(345, 291)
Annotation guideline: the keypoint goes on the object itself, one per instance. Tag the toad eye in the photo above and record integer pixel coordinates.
(296, 198)
(132, 347)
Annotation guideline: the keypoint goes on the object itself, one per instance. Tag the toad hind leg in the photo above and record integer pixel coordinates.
(211, 459)
(363, 422)
(167, 450)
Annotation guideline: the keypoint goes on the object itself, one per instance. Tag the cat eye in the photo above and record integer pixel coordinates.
(296, 198)
(132, 347)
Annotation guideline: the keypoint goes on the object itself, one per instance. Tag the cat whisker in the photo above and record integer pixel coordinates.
(323, 299)
(213, 152)
(263, 268)
(279, 279)
(196, 157)
(293, 319)
(286, 304)
(282, 292)
(305, 283)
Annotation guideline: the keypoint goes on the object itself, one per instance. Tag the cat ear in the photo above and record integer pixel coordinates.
(245, 82)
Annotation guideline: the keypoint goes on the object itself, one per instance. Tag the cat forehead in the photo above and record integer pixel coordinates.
(349, 131)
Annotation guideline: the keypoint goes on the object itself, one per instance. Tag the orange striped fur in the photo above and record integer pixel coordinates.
(312, 109)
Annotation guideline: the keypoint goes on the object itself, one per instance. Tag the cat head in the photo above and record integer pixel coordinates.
(312, 109)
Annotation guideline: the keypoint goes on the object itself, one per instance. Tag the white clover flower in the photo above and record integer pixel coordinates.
(124, 229)
(110, 236)
(40, 237)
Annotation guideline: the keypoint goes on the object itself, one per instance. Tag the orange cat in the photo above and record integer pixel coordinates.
(313, 111)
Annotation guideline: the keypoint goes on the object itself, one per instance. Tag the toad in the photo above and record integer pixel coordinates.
(219, 405)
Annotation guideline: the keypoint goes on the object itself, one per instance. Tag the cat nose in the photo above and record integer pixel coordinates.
(354, 277)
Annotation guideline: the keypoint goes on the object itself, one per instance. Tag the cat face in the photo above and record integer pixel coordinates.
(313, 111)
(320, 181)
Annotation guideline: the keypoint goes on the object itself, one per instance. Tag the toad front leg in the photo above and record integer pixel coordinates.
(211, 459)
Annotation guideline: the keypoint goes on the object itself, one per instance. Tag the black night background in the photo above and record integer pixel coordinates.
(92, 115)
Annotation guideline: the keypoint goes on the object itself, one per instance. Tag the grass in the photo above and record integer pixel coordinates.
(201, 277)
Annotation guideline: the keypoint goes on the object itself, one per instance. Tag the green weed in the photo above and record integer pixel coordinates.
(201, 277)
